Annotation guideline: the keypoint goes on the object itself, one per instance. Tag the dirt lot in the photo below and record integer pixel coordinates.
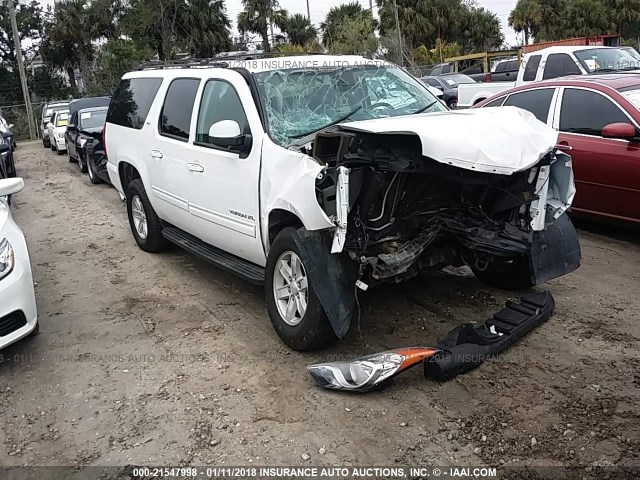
(163, 359)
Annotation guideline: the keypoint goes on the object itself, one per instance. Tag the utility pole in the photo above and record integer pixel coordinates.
(400, 49)
(308, 11)
(23, 76)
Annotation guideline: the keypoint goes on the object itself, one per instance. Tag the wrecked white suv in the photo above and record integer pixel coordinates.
(314, 174)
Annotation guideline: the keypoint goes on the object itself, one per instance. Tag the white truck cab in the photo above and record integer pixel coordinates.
(312, 174)
(553, 62)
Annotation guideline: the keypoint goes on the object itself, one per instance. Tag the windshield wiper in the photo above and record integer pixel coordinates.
(425, 108)
(341, 119)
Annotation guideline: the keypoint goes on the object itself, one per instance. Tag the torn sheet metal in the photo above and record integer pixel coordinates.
(494, 140)
(342, 210)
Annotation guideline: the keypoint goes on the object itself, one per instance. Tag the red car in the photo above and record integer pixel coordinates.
(598, 118)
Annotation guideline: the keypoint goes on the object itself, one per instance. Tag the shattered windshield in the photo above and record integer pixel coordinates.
(300, 102)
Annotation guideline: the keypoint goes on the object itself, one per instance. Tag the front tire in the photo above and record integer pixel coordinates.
(145, 224)
(452, 104)
(82, 164)
(92, 175)
(295, 311)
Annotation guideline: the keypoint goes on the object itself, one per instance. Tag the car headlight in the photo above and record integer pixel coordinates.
(366, 373)
(82, 142)
(60, 134)
(7, 259)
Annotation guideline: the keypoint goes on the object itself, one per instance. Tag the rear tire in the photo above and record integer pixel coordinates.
(145, 224)
(510, 275)
(312, 329)
(82, 164)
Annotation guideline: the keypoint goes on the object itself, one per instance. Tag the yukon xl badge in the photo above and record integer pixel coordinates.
(242, 215)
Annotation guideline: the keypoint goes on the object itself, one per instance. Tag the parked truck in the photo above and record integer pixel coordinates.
(554, 62)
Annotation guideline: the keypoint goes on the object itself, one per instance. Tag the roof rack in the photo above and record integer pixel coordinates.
(183, 63)
(220, 61)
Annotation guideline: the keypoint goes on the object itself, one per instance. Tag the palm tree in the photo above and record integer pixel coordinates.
(623, 12)
(339, 15)
(259, 16)
(525, 18)
(206, 26)
(300, 30)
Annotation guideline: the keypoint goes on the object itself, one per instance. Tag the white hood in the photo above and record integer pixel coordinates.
(500, 140)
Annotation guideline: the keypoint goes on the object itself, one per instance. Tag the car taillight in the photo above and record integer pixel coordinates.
(487, 77)
(104, 141)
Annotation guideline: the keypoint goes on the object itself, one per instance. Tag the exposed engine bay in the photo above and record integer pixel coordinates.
(407, 212)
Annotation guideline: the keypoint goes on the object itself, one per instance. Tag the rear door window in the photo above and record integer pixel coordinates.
(495, 103)
(131, 103)
(588, 112)
(560, 65)
(175, 117)
(536, 101)
(531, 68)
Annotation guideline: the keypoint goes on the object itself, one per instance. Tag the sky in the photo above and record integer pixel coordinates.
(319, 9)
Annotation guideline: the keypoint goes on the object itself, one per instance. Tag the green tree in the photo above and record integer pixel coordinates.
(354, 37)
(259, 16)
(624, 16)
(300, 30)
(30, 25)
(206, 27)
(480, 30)
(156, 23)
(354, 18)
(525, 18)
(115, 58)
(583, 18)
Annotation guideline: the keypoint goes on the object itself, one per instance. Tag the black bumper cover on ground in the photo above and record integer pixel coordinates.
(466, 347)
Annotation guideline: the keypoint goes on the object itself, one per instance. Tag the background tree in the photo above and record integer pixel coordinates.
(300, 30)
(342, 23)
(259, 16)
(479, 30)
(583, 18)
(525, 18)
(206, 27)
(30, 22)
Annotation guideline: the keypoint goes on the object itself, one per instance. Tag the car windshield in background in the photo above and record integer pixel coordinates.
(300, 102)
(607, 59)
(93, 119)
(453, 81)
(62, 120)
(633, 96)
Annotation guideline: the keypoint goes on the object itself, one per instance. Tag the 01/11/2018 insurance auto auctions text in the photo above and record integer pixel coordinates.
(314, 472)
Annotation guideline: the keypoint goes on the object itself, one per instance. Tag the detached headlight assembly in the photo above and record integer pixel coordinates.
(366, 373)
(7, 258)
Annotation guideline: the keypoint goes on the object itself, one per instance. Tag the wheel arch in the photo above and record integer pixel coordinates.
(278, 220)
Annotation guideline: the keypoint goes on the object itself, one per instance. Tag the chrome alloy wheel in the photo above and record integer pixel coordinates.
(139, 217)
(290, 288)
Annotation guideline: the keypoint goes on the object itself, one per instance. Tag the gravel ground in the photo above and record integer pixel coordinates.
(179, 363)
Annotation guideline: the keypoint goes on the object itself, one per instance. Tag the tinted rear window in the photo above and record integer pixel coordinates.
(131, 103)
(536, 101)
(531, 68)
(175, 118)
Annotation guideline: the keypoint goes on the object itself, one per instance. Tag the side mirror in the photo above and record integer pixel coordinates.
(4, 148)
(9, 186)
(624, 131)
(226, 133)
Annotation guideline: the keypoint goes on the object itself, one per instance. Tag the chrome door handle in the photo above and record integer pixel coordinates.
(564, 146)
(156, 153)
(195, 167)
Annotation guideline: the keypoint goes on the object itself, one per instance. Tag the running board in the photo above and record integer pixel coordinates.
(246, 270)
(467, 347)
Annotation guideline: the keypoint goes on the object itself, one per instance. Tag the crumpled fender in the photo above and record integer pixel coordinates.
(332, 276)
(288, 182)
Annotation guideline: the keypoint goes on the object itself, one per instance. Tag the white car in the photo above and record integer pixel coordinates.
(319, 175)
(18, 314)
(56, 129)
